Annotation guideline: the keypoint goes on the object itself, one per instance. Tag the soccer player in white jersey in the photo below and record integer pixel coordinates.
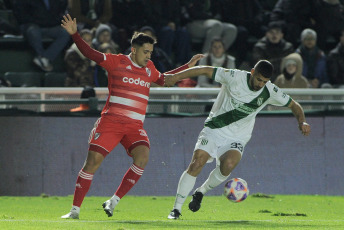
(229, 125)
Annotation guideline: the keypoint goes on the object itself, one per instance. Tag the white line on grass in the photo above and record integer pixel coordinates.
(156, 221)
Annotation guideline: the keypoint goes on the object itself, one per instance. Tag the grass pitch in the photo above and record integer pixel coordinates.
(258, 211)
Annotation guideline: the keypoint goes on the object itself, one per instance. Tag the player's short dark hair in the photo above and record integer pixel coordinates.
(140, 38)
(264, 67)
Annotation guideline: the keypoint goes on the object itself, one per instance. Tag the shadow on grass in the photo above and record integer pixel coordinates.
(196, 224)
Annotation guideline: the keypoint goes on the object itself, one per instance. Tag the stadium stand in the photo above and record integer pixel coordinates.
(55, 79)
(24, 79)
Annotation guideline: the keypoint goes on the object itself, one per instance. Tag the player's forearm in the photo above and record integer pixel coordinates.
(194, 72)
(298, 112)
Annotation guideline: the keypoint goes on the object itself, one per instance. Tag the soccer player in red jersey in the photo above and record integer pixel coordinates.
(121, 121)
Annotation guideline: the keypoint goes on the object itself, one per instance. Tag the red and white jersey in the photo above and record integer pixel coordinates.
(128, 85)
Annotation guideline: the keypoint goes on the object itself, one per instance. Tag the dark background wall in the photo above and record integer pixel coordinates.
(44, 155)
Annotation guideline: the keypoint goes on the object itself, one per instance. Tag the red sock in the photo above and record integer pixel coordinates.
(129, 180)
(83, 184)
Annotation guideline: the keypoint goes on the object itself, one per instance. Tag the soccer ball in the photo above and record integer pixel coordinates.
(236, 190)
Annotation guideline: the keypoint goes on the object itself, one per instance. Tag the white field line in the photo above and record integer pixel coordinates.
(164, 221)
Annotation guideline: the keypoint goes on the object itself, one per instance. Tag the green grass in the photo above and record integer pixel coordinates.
(145, 212)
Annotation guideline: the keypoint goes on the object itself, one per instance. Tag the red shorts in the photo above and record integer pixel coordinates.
(107, 133)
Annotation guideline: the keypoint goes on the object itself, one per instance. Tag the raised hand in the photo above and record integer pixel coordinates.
(69, 24)
(195, 59)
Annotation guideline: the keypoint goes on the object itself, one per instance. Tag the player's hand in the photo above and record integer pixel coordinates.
(170, 80)
(305, 128)
(69, 24)
(195, 59)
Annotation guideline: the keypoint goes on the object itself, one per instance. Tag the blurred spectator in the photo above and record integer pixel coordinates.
(296, 15)
(8, 24)
(291, 77)
(329, 20)
(4, 82)
(314, 59)
(103, 35)
(166, 18)
(215, 57)
(40, 19)
(90, 13)
(335, 63)
(161, 60)
(80, 70)
(248, 16)
(203, 27)
(127, 17)
(272, 47)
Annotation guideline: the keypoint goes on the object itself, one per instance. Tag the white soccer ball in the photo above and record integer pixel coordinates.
(236, 190)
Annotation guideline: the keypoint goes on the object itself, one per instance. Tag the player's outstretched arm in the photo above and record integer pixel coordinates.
(69, 24)
(297, 110)
(171, 79)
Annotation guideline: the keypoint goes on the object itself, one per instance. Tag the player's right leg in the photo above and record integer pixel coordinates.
(228, 161)
(188, 180)
(83, 182)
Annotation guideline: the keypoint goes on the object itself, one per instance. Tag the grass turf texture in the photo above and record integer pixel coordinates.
(259, 211)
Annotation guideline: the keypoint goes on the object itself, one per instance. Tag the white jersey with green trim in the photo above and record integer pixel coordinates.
(237, 105)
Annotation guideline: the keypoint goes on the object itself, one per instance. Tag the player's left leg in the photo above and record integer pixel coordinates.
(140, 156)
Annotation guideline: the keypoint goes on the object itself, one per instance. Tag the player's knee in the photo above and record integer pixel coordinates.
(228, 164)
(141, 160)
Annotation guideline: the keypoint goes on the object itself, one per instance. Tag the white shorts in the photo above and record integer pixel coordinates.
(211, 141)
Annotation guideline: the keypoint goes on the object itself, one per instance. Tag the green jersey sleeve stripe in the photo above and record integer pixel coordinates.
(214, 73)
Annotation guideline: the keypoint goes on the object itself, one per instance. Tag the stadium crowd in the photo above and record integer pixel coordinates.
(291, 34)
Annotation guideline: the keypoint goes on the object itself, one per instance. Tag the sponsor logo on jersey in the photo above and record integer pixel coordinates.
(242, 107)
(128, 67)
(204, 142)
(137, 81)
(148, 71)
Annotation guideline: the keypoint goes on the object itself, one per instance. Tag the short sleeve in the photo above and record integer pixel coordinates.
(278, 97)
(228, 76)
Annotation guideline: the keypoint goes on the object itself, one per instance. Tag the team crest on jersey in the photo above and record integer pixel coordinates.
(96, 136)
(204, 142)
(260, 101)
(148, 72)
(142, 132)
(275, 89)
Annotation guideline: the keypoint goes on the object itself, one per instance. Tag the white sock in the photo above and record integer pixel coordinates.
(115, 200)
(185, 185)
(75, 209)
(215, 178)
